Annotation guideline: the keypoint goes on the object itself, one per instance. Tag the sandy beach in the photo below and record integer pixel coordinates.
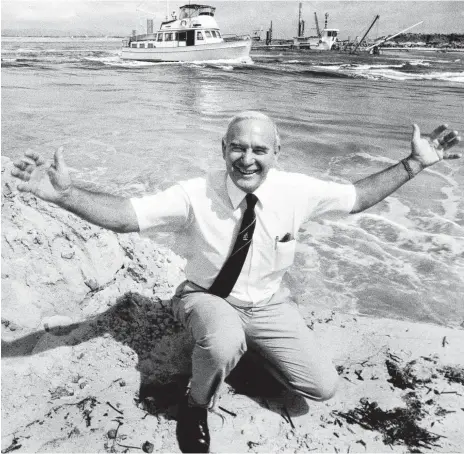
(92, 360)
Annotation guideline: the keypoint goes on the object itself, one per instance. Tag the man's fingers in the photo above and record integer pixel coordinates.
(24, 187)
(452, 156)
(21, 174)
(21, 165)
(437, 131)
(28, 161)
(451, 143)
(25, 164)
(415, 132)
(447, 138)
(35, 157)
(59, 160)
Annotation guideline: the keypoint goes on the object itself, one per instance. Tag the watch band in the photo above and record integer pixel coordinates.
(408, 168)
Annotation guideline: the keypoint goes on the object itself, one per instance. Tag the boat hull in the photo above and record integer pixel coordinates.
(233, 50)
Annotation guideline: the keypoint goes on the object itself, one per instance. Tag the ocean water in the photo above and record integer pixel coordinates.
(133, 128)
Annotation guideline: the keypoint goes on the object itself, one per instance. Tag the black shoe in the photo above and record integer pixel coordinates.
(192, 428)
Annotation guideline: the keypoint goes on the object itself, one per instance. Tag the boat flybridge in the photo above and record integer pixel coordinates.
(193, 36)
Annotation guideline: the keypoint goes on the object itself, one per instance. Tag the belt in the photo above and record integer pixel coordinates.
(230, 299)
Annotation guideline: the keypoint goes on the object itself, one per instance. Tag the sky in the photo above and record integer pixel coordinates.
(119, 17)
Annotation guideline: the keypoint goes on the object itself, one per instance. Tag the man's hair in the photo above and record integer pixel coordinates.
(254, 115)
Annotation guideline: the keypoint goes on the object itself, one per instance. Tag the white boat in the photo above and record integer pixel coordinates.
(326, 38)
(193, 36)
(326, 41)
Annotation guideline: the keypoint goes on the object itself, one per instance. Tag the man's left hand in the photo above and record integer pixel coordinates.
(429, 150)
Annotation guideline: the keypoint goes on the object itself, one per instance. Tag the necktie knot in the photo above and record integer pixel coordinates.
(251, 201)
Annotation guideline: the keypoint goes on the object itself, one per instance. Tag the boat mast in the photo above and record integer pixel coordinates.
(365, 34)
(301, 22)
(269, 35)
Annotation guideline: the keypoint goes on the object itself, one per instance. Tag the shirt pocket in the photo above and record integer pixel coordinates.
(284, 254)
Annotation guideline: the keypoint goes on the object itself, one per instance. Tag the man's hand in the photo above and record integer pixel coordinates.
(49, 181)
(428, 151)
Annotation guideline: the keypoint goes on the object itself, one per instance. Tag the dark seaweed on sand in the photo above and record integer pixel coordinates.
(453, 374)
(397, 426)
(400, 377)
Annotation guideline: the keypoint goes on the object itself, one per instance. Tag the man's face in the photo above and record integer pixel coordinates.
(249, 150)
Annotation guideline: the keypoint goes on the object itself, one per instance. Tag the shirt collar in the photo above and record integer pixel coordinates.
(264, 192)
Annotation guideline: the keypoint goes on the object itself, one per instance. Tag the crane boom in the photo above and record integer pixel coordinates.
(318, 30)
(365, 34)
(393, 36)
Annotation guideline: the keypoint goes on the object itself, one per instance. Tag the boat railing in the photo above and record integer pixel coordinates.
(231, 37)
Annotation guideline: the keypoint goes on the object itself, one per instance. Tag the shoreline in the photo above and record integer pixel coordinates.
(360, 51)
(92, 360)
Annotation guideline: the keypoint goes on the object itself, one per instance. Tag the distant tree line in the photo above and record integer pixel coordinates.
(432, 39)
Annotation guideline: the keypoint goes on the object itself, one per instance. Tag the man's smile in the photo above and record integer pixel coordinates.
(245, 171)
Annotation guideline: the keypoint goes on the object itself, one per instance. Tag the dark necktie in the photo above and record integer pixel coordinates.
(227, 277)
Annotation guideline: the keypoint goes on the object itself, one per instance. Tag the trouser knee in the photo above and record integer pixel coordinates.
(327, 389)
(319, 390)
(222, 349)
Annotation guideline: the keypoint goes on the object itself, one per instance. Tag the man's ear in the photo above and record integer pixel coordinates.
(224, 147)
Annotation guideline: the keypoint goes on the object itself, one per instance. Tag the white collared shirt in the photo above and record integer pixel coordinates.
(207, 212)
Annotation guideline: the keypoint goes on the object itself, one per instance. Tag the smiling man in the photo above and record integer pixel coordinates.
(241, 225)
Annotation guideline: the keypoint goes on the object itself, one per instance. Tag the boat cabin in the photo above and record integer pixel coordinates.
(326, 41)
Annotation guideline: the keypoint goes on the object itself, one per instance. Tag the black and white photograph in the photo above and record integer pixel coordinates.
(232, 226)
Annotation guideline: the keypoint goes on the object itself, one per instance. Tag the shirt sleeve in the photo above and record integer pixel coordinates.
(328, 197)
(164, 211)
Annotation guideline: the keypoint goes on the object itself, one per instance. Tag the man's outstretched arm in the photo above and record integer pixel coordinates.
(51, 182)
(424, 153)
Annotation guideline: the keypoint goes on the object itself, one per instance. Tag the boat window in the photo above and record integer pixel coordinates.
(190, 11)
(168, 36)
(133, 44)
(214, 33)
(150, 45)
(160, 37)
(184, 14)
(199, 36)
(142, 45)
(208, 33)
(218, 34)
(182, 36)
(206, 11)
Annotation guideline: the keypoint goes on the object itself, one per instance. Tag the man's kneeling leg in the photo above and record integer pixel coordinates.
(291, 352)
(219, 343)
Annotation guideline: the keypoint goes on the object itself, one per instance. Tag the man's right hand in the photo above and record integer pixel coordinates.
(47, 180)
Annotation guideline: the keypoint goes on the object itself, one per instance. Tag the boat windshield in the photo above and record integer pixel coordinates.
(189, 11)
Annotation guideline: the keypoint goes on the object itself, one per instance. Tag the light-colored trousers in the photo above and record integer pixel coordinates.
(222, 332)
